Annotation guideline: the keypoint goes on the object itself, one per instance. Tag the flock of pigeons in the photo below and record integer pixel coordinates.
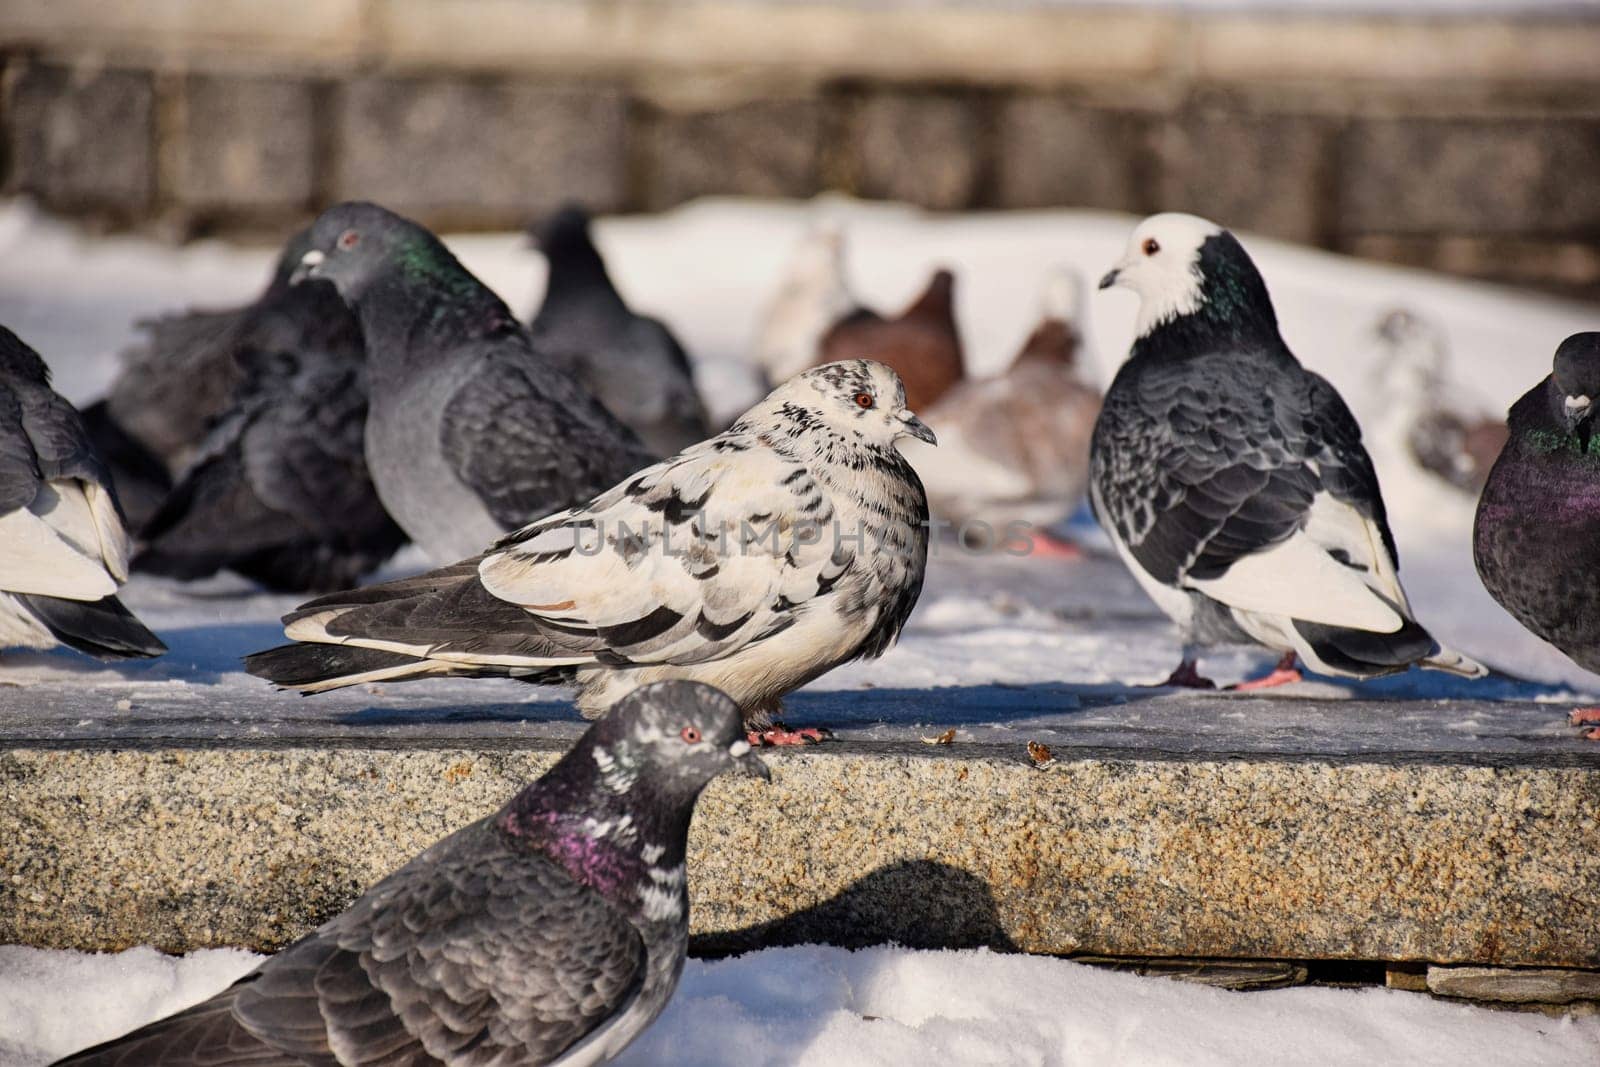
(377, 393)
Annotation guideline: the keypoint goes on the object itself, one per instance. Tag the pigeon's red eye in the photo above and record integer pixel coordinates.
(864, 400)
(690, 735)
(1151, 246)
(349, 239)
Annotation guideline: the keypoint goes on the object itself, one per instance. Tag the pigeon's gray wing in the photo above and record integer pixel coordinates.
(179, 379)
(19, 468)
(477, 952)
(1249, 484)
(281, 492)
(60, 523)
(529, 440)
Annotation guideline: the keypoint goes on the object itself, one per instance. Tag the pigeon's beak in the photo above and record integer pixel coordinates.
(308, 267)
(1577, 409)
(747, 763)
(915, 427)
(1110, 279)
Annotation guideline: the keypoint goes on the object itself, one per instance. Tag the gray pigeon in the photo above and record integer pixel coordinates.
(552, 932)
(631, 362)
(63, 550)
(280, 493)
(1233, 481)
(789, 544)
(174, 386)
(471, 431)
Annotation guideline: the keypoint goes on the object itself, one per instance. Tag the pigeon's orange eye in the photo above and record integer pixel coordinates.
(349, 239)
(1151, 246)
(864, 400)
(690, 735)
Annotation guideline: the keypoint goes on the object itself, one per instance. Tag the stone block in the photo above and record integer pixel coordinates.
(1268, 174)
(83, 139)
(246, 143)
(1471, 176)
(769, 148)
(923, 148)
(480, 151)
(1542, 985)
(1052, 151)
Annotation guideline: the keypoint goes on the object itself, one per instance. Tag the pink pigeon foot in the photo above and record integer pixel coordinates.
(778, 734)
(1283, 674)
(1186, 676)
(1587, 717)
(1048, 546)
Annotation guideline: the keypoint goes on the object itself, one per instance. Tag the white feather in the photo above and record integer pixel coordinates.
(53, 547)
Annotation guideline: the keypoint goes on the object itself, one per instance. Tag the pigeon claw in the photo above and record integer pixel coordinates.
(778, 734)
(1585, 717)
(1048, 546)
(1186, 676)
(1285, 673)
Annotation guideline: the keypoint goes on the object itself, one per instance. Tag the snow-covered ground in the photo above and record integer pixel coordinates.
(709, 270)
(820, 1006)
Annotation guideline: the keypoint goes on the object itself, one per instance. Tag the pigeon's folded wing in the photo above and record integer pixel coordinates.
(686, 562)
(528, 444)
(1262, 498)
(468, 956)
(62, 534)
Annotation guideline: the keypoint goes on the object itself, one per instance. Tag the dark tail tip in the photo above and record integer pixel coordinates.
(101, 628)
(293, 666)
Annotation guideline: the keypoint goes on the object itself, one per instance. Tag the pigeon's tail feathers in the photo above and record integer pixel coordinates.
(317, 668)
(207, 1033)
(1365, 654)
(101, 628)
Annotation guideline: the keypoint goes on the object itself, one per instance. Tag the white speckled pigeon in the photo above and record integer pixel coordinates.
(470, 431)
(63, 550)
(755, 561)
(1233, 481)
(631, 362)
(551, 932)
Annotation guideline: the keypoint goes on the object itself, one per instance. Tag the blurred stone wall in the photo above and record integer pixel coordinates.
(1470, 144)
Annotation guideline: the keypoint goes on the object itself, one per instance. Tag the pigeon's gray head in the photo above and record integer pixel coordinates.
(860, 400)
(1162, 265)
(671, 738)
(355, 243)
(1576, 375)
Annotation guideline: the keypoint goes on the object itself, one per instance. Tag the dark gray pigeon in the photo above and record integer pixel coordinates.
(1233, 481)
(174, 386)
(631, 362)
(471, 431)
(553, 931)
(63, 549)
(1536, 540)
(280, 492)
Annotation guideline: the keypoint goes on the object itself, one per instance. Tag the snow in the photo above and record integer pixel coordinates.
(819, 1006)
(982, 623)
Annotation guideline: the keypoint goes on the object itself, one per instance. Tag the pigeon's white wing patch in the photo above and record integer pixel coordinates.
(1335, 571)
(687, 561)
(55, 552)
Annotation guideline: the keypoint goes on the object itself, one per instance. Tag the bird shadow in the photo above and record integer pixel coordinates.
(913, 903)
